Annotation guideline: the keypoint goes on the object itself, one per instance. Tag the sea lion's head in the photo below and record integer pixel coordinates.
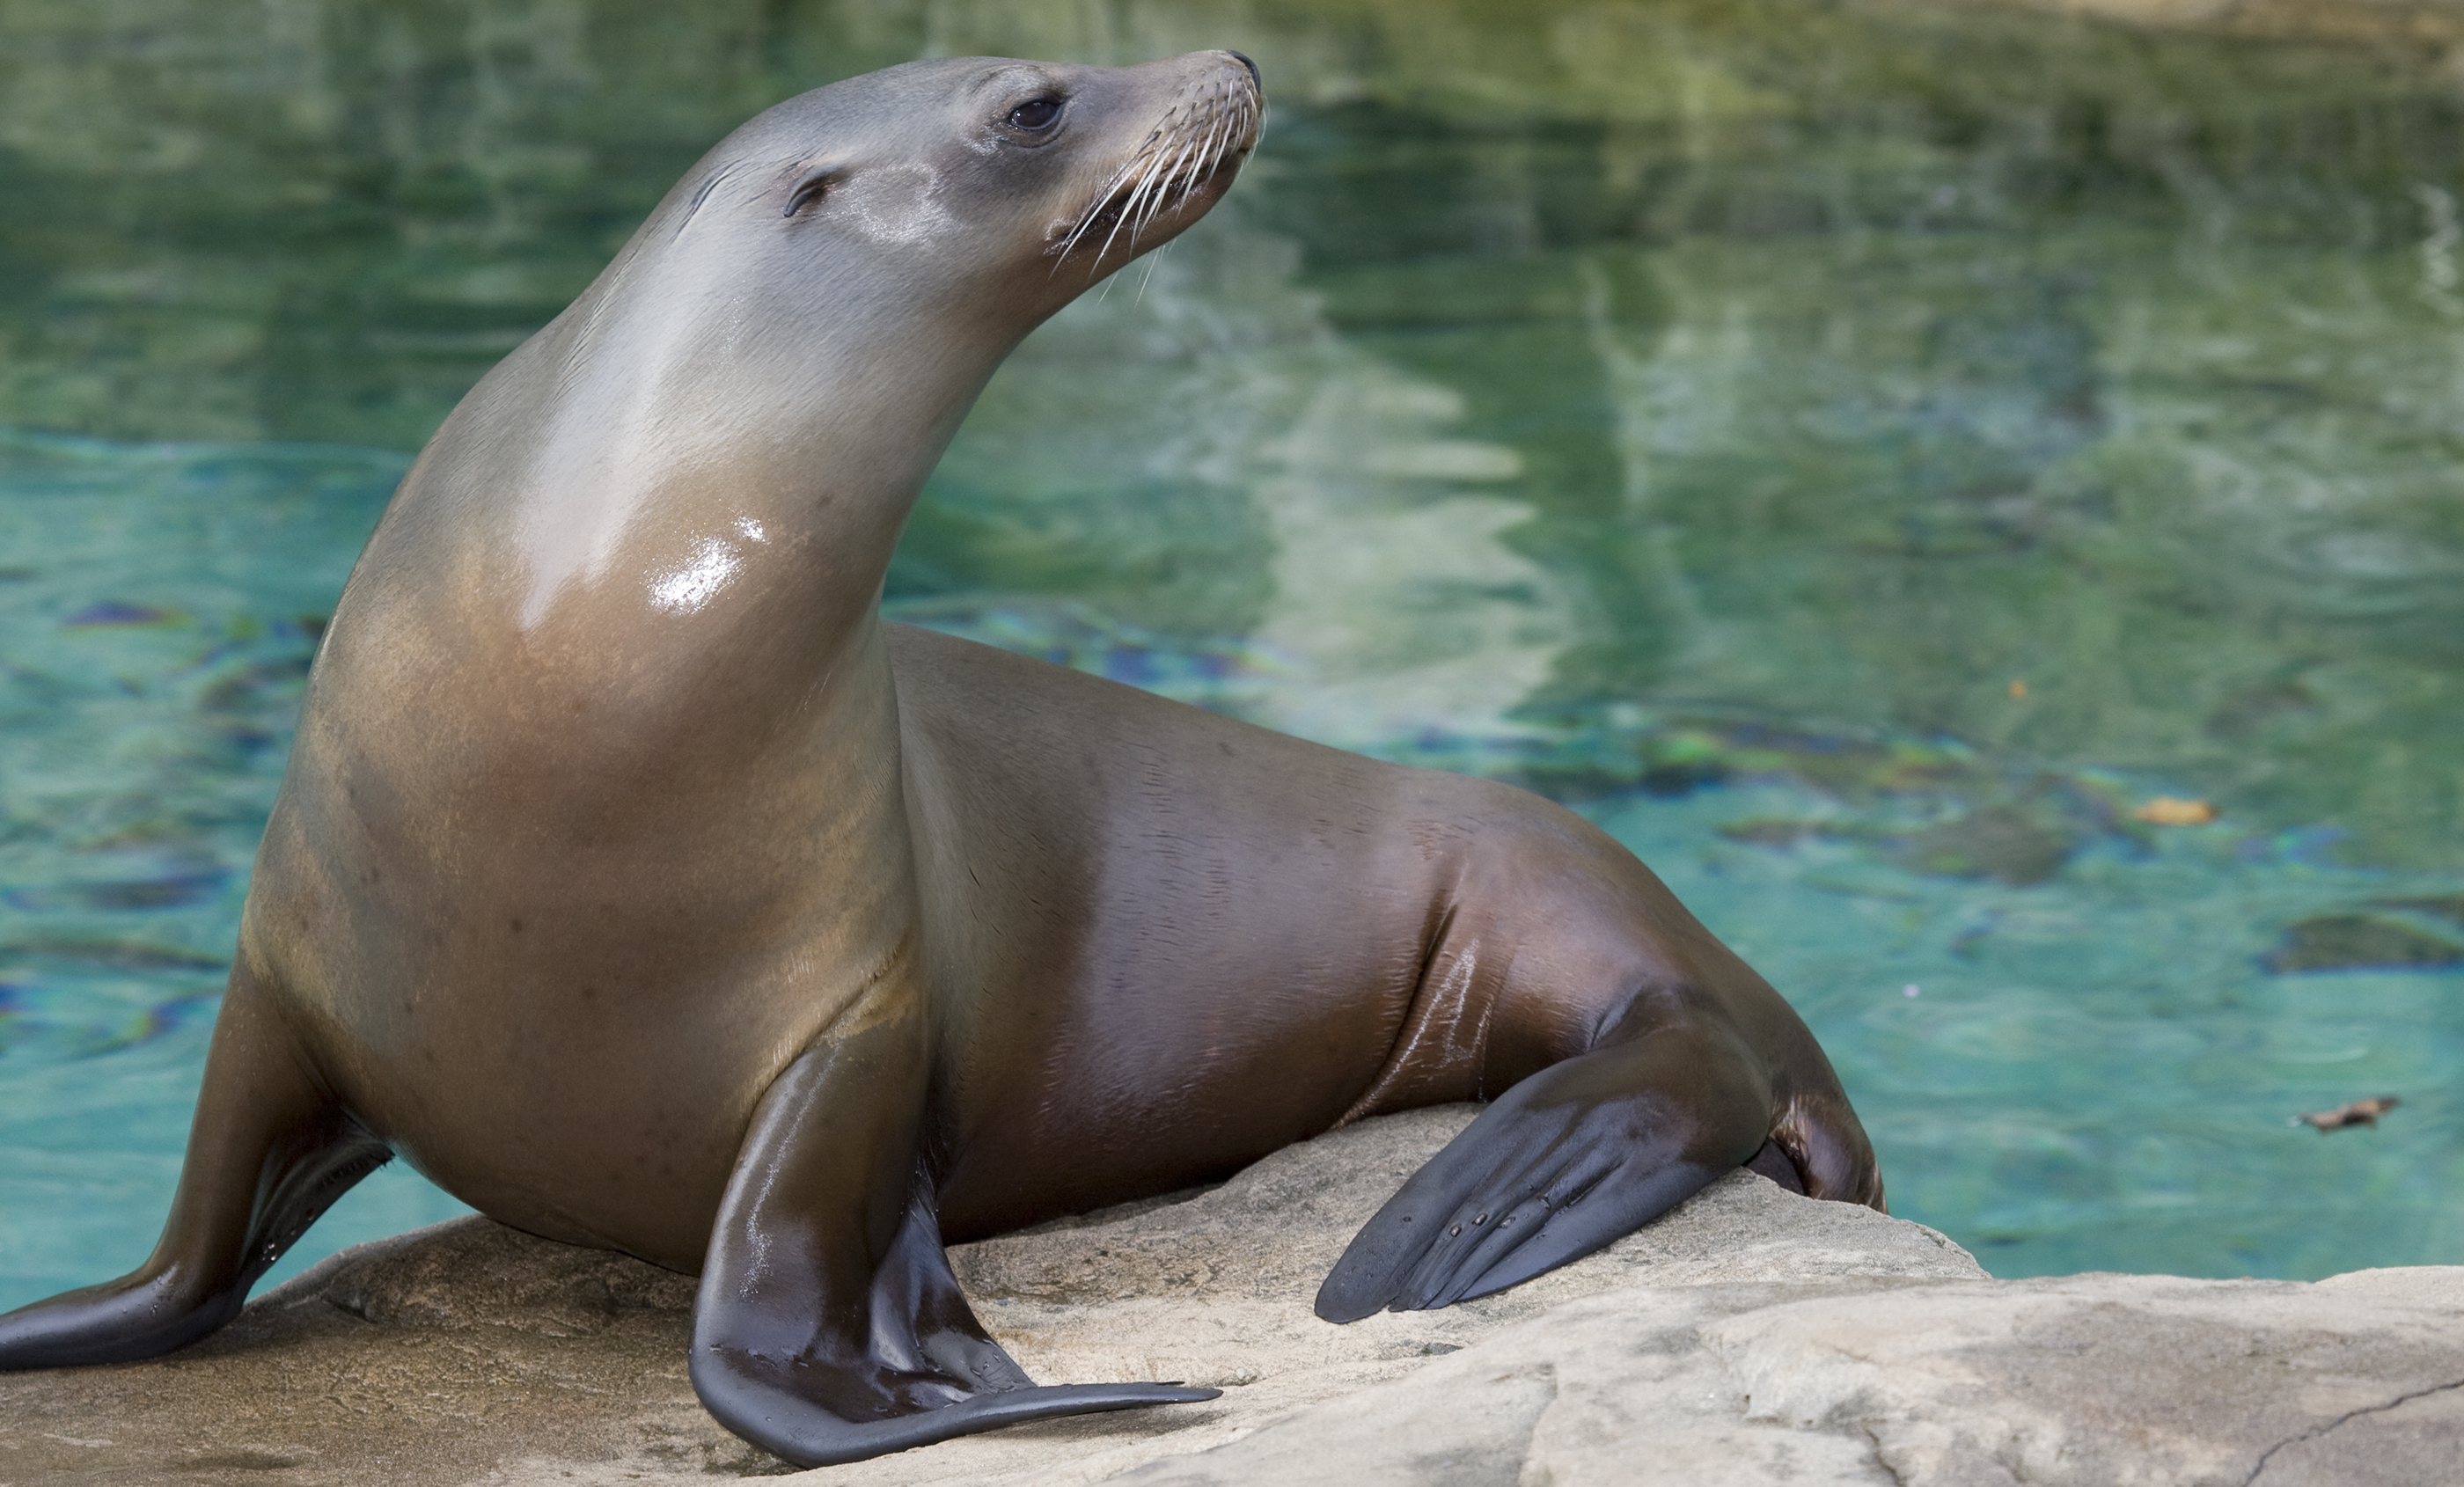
(803, 321)
(992, 187)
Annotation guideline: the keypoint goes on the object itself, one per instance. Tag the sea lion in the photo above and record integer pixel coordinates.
(633, 881)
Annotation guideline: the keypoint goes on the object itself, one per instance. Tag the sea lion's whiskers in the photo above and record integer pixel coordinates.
(1151, 195)
(1085, 222)
(1155, 183)
(1149, 276)
(1234, 124)
(1125, 214)
(1150, 188)
(1146, 177)
(1253, 118)
(1166, 189)
(1193, 147)
(1211, 155)
(1102, 197)
(1218, 136)
(1202, 150)
(1126, 206)
(1200, 155)
(1151, 185)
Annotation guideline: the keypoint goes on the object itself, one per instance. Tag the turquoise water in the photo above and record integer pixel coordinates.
(1862, 456)
(160, 606)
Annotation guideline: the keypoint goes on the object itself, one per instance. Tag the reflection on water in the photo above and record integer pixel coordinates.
(1861, 455)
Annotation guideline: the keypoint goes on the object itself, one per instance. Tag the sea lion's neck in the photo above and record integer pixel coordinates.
(633, 578)
(712, 475)
(685, 438)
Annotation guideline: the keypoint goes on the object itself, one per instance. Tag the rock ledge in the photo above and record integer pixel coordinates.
(1750, 1336)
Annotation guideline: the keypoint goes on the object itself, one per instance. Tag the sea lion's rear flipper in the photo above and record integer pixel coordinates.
(269, 1152)
(1566, 1162)
(828, 1327)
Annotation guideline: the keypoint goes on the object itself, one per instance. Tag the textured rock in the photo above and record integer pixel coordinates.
(1750, 1337)
(2102, 1381)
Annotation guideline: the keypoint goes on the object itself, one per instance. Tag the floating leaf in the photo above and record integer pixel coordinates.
(2361, 1112)
(2167, 811)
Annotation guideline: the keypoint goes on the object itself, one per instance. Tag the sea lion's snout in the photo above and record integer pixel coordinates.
(1211, 108)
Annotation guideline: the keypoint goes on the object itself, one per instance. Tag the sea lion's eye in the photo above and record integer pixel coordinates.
(1035, 114)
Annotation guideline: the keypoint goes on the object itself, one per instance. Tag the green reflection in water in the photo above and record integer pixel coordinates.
(1861, 452)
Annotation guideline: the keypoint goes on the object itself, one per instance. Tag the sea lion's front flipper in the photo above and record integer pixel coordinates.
(269, 1152)
(828, 1327)
(1564, 1162)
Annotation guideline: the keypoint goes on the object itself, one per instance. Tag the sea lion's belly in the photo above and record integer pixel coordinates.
(600, 1097)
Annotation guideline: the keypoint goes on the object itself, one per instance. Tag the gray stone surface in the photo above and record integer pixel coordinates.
(2099, 1381)
(1750, 1337)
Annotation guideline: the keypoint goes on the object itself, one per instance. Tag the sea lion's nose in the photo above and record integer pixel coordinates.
(1245, 63)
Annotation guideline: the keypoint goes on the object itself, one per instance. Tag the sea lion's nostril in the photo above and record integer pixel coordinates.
(1245, 63)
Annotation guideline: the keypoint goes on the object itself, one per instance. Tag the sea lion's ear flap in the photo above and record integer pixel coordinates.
(810, 188)
(828, 1327)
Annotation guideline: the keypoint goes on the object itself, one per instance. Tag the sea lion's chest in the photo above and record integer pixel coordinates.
(557, 973)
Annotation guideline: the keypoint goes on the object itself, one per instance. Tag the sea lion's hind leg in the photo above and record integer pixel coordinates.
(270, 1151)
(828, 1327)
(1566, 1162)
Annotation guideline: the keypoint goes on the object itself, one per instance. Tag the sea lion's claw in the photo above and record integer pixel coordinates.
(1564, 1162)
(828, 1326)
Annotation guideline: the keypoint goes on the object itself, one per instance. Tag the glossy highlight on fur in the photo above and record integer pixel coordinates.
(639, 885)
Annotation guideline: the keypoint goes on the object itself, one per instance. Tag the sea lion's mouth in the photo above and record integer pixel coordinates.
(1191, 154)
